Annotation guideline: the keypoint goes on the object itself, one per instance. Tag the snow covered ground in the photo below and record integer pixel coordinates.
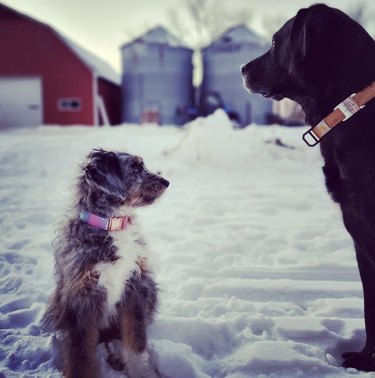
(258, 275)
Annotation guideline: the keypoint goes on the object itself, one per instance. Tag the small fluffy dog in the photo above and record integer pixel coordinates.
(104, 285)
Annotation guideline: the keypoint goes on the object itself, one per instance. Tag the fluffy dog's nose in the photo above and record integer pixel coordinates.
(164, 182)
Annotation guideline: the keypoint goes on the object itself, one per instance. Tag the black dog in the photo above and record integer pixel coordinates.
(319, 58)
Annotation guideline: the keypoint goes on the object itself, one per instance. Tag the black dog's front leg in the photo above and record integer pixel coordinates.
(333, 181)
(365, 360)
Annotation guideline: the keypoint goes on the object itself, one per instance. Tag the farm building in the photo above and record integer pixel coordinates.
(45, 78)
(222, 81)
(157, 79)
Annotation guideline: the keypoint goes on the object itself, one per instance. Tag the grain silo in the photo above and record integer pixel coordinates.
(157, 79)
(222, 82)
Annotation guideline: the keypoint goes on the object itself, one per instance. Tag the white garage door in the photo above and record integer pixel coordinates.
(20, 101)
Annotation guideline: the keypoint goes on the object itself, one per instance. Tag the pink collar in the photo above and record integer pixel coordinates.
(106, 224)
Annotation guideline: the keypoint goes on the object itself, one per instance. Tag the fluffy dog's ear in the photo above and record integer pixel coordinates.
(103, 171)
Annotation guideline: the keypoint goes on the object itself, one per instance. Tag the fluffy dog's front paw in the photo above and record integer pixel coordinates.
(114, 359)
(364, 360)
(115, 362)
(138, 365)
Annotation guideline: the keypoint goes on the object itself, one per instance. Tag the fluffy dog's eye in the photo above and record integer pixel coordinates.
(273, 43)
(137, 168)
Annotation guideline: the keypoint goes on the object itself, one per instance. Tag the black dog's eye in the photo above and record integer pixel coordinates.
(273, 43)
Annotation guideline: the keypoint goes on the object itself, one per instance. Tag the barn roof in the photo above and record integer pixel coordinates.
(99, 66)
(158, 35)
(239, 34)
(95, 64)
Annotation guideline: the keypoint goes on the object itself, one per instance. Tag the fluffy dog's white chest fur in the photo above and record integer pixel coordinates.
(113, 276)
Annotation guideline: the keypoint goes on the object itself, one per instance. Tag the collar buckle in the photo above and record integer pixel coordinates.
(106, 224)
(117, 223)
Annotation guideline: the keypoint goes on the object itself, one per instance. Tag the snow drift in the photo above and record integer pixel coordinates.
(254, 283)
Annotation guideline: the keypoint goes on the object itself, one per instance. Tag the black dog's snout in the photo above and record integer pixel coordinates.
(244, 67)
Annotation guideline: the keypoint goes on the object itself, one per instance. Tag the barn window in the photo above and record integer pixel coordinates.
(69, 104)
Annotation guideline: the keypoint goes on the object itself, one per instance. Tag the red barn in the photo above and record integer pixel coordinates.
(45, 78)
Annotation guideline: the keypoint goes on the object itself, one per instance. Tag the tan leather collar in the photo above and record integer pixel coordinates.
(342, 112)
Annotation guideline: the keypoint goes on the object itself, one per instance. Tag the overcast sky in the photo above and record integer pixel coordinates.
(102, 26)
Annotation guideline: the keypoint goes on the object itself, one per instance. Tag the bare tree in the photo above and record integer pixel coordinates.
(272, 23)
(199, 22)
(361, 13)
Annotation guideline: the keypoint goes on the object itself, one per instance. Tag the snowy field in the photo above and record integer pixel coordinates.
(258, 276)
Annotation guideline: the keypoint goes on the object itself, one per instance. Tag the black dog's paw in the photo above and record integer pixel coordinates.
(364, 360)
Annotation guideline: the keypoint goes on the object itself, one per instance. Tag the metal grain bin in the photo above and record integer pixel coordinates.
(222, 82)
(157, 79)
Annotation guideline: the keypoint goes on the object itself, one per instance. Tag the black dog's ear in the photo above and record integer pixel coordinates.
(299, 39)
(304, 32)
(308, 25)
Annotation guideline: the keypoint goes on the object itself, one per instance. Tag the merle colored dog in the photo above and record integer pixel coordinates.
(105, 288)
(319, 58)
